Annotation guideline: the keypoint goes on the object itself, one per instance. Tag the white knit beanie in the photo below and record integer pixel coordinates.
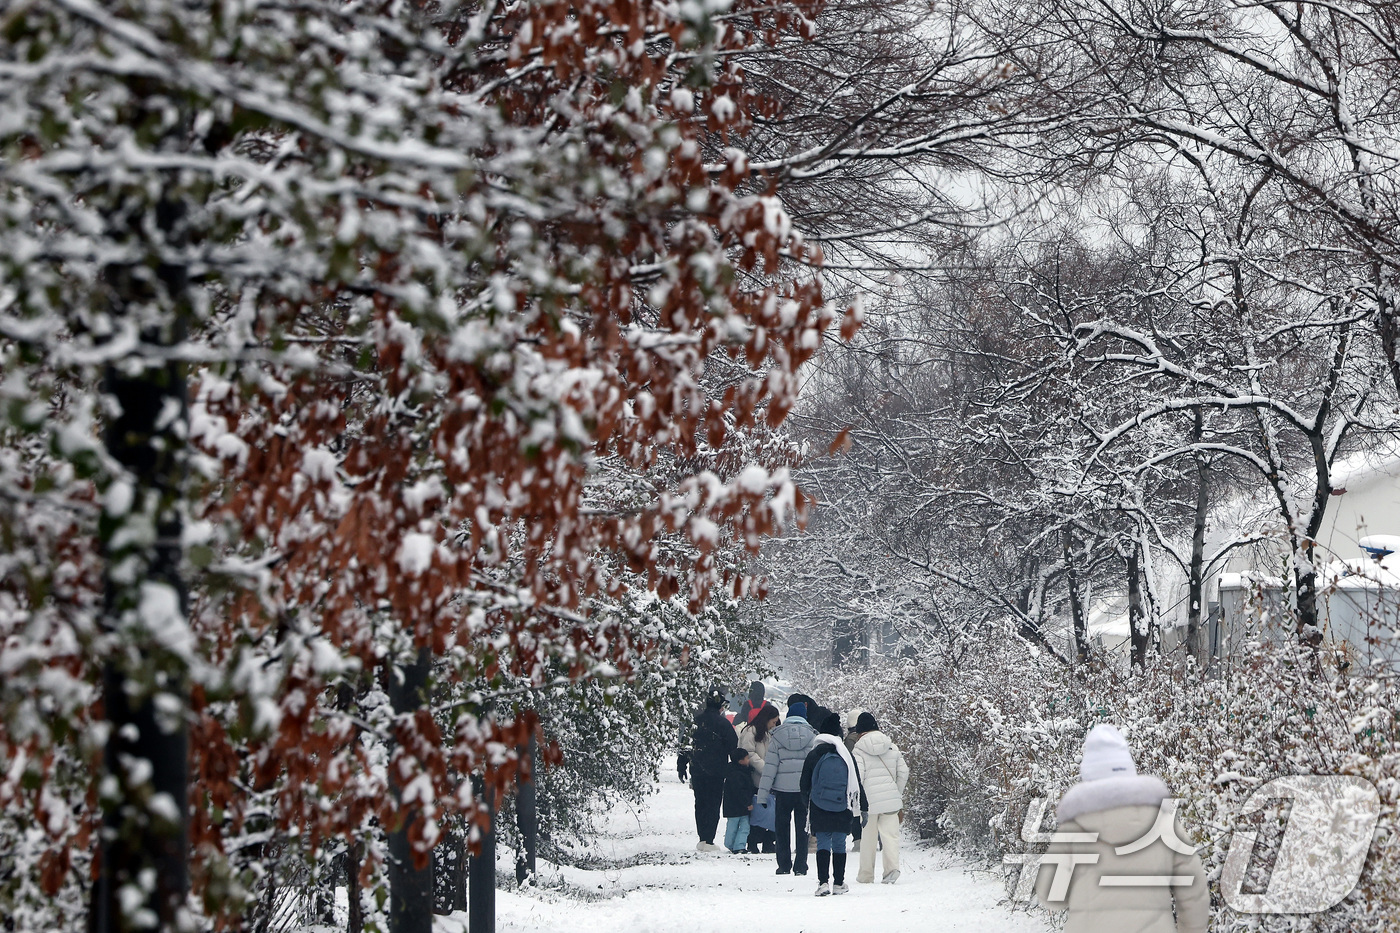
(851, 718)
(1106, 755)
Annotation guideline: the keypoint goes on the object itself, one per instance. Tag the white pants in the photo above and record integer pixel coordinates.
(886, 825)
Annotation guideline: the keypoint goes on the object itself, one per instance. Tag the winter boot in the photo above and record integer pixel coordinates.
(823, 865)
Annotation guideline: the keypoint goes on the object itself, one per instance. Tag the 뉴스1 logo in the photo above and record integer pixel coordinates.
(1323, 850)
(1319, 861)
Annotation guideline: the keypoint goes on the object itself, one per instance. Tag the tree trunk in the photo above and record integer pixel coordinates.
(1309, 631)
(850, 643)
(1309, 627)
(527, 819)
(324, 907)
(481, 909)
(1195, 587)
(1029, 627)
(355, 922)
(1386, 323)
(410, 887)
(1139, 625)
(145, 800)
(1076, 605)
(454, 865)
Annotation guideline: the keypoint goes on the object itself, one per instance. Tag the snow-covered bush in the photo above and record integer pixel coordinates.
(987, 735)
(612, 735)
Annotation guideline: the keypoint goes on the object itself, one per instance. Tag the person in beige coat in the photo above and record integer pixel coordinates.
(754, 737)
(852, 736)
(1139, 863)
(885, 774)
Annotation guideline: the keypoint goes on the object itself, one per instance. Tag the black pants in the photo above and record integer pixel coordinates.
(709, 797)
(791, 809)
(761, 840)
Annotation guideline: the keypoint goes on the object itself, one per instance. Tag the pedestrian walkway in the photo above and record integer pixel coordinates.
(644, 876)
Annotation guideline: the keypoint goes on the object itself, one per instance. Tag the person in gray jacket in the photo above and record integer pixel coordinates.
(782, 775)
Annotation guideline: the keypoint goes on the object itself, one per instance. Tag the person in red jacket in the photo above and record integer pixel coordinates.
(754, 703)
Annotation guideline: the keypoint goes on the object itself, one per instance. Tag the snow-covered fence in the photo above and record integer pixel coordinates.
(1358, 612)
(289, 896)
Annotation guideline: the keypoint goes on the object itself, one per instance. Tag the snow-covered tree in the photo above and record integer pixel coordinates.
(445, 281)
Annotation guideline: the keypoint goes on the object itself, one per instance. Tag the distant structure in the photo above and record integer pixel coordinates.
(1359, 575)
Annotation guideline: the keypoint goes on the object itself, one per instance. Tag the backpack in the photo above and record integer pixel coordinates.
(829, 780)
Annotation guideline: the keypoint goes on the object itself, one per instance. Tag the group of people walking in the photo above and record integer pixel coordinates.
(1117, 861)
(783, 769)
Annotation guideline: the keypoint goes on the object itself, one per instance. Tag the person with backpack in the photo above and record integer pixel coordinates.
(753, 704)
(831, 784)
(815, 716)
(1111, 829)
(884, 775)
(710, 747)
(788, 746)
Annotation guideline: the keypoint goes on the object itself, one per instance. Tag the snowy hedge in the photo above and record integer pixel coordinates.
(988, 734)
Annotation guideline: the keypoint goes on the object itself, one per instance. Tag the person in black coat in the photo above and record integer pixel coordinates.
(713, 740)
(828, 825)
(738, 801)
(816, 714)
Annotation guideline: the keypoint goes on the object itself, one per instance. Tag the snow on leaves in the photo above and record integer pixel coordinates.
(471, 324)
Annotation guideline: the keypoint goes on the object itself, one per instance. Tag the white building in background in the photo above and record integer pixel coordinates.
(1366, 502)
(1359, 590)
(1358, 558)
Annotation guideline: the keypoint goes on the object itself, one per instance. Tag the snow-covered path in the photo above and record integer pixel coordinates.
(649, 879)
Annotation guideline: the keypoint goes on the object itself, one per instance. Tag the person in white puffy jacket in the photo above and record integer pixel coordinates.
(884, 774)
(1132, 866)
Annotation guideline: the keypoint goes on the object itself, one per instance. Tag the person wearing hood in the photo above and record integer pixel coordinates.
(788, 746)
(831, 784)
(884, 775)
(753, 704)
(1120, 809)
(816, 713)
(852, 717)
(711, 745)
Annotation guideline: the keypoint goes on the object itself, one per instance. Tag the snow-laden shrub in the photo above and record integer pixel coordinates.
(987, 734)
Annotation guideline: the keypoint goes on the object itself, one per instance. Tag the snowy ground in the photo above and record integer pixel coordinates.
(645, 875)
